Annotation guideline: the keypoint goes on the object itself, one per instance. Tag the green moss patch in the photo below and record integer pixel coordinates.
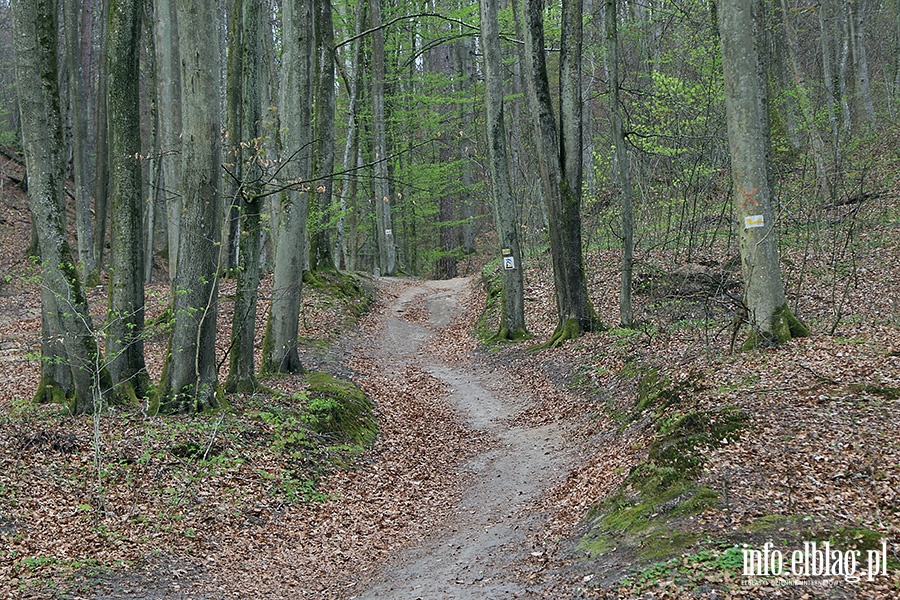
(343, 287)
(646, 514)
(339, 410)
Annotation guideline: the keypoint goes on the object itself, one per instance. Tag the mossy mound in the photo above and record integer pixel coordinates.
(645, 515)
(344, 287)
(339, 410)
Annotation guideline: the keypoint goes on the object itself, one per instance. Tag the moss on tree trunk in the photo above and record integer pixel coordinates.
(785, 326)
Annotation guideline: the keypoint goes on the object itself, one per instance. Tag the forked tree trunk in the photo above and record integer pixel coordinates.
(189, 382)
(559, 156)
(747, 118)
(512, 315)
(280, 344)
(70, 359)
(124, 342)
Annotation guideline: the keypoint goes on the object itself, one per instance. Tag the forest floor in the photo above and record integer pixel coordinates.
(627, 464)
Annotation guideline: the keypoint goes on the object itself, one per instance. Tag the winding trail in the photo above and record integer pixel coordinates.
(473, 554)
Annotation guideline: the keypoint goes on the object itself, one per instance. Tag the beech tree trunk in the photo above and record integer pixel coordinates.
(280, 344)
(862, 91)
(351, 149)
(71, 366)
(124, 341)
(464, 60)
(747, 116)
(438, 61)
(168, 96)
(512, 315)
(559, 156)
(189, 378)
(384, 233)
(78, 104)
(323, 159)
(101, 186)
(241, 375)
(621, 165)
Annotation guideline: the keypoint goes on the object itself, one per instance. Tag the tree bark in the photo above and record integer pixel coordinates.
(241, 375)
(747, 119)
(559, 156)
(124, 342)
(512, 315)
(621, 165)
(101, 187)
(384, 233)
(323, 158)
(70, 358)
(862, 90)
(168, 96)
(78, 104)
(280, 344)
(351, 147)
(464, 53)
(438, 61)
(189, 378)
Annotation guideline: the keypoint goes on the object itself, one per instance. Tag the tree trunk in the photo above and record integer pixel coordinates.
(152, 174)
(559, 155)
(621, 165)
(168, 97)
(748, 140)
(241, 376)
(78, 103)
(825, 30)
(862, 91)
(233, 138)
(818, 144)
(124, 342)
(464, 53)
(280, 345)
(384, 233)
(189, 378)
(351, 147)
(70, 359)
(512, 315)
(101, 187)
(323, 159)
(439, 63)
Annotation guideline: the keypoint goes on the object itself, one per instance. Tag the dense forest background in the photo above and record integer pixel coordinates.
(200, 201)
(357, 135)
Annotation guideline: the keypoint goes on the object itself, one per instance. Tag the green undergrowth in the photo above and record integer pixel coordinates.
(150, 479)
(711, 563)
(323, 427)
(718, 564)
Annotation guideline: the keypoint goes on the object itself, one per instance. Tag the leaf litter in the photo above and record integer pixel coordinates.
(822, 445)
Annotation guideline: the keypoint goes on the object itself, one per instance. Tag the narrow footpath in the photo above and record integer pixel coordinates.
(490, 530)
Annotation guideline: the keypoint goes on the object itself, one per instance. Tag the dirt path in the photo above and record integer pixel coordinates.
(471, 556)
